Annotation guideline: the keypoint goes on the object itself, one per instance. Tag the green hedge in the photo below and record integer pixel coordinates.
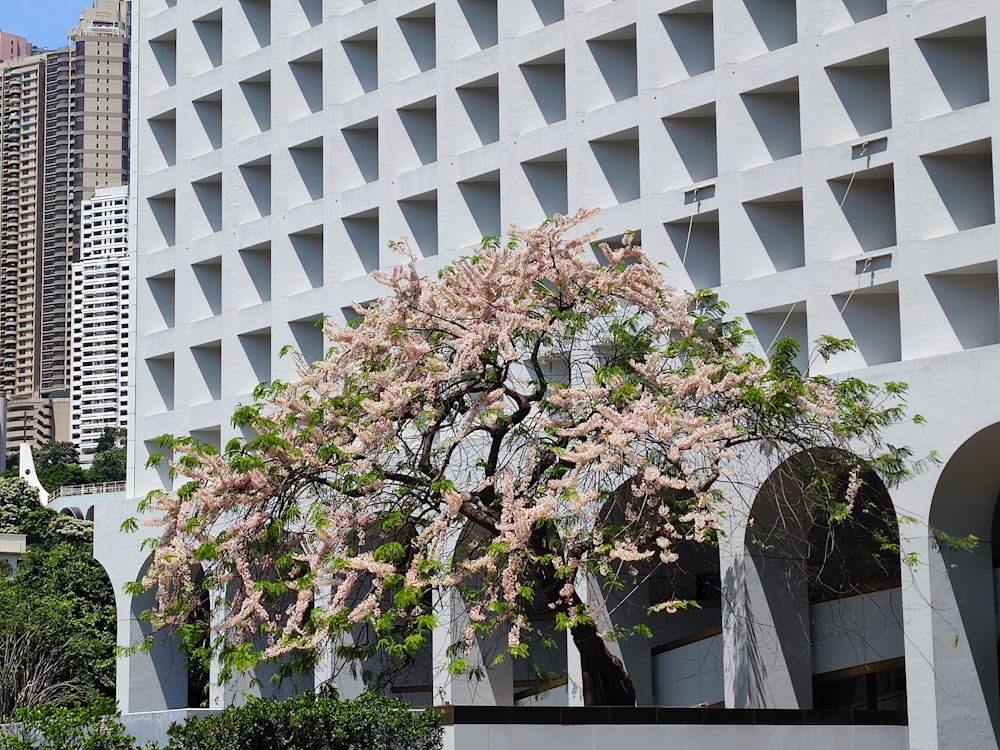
(371, 722)
(93, 727)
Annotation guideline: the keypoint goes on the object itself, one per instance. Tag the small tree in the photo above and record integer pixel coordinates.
(108, 466)
(57, 612)
(17, 501)
(577, 415)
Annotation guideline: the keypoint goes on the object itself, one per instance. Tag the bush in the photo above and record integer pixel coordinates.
(371, 722)
(94, 727)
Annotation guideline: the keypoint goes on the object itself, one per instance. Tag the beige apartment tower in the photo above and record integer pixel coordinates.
(64, 133)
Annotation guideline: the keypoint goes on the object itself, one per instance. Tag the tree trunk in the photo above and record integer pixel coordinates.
(605, 681)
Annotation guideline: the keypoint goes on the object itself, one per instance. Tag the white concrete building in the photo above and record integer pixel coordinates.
(101, 287)
(827, 164)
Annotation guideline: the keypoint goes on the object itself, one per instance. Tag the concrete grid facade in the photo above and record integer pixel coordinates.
(826, 164)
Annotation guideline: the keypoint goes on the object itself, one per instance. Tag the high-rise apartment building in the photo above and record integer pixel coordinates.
(64, 134)
(100, 321)
(827, 165)
(22, 133)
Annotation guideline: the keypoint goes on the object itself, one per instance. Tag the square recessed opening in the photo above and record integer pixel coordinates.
(690, 28)
(161, 397)
(545, 78)
(418, 29)
(162, 313)
(862, 86)
(258, 17)
(782, 322)
(872, 317)
(308, 161)
(362, 55)
(209, 31)
(164, 130)
(862, 10)
(257, 100)
(693, 134)
(257, 350)
(615, 56)
(958, 62)
(209, 111)
(256, 262)
(307, 273)
(208, 364)
(530, 15)
(161, 467)
(547, 177)
(970, 300)
(780, 227)
(482, 198)
(617, 157)
(481, 19)
(774, 110)
(363, 231)
(963, 179)
(481, 101)
(310, 341)
(310, 13)
(163, 207)
(362, 142)
(164, 49)
(696, 241)
(614, 243)
(421, 215)
(420, 123)
(868, 202)
(549, 11)
(774, 22)
(208, 193)
(257, 180)
(208, 275)
(209, 436)
(307, 72)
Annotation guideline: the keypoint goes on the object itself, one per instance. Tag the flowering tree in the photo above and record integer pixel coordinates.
(572, 411)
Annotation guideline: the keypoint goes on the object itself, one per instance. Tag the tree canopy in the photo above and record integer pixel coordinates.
(58, 463)
(540, 412)
(57, 612)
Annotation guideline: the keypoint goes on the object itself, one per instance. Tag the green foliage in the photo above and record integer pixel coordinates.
(57, 614)
(81, 727)
(108, 466)
(17, 501)
(55, 453)
(58, 463)
(61, 475)
(312, 722)
(951, 543)
(110, 438)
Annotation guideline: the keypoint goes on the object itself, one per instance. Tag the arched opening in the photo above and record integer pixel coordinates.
(687, 651)
(681, 664)
(161, 676)
(363, 661)
(410, 677)
(285, 676)
(964, 584)
(831, 611)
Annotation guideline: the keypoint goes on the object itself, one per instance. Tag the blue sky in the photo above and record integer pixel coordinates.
(44, 22)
